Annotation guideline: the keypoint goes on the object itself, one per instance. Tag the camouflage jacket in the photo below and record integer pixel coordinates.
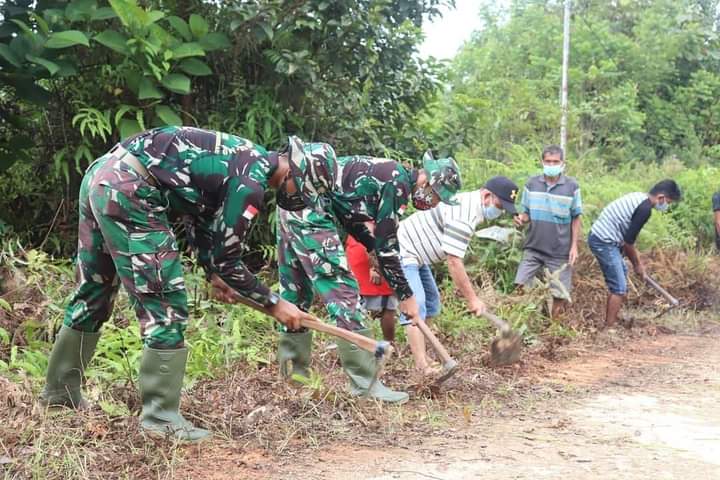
(219, 180)
(377, 190)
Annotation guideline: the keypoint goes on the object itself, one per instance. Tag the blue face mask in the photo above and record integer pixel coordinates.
(662, 207)
(491, 212)
(552, 170)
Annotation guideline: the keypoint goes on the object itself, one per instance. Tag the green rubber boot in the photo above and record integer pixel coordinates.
(360, 366)
(161, 378)
(294, 353)
(70, 355)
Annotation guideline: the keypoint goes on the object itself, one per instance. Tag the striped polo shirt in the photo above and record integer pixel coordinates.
(614, 220)
(551, 208)
(429, 236)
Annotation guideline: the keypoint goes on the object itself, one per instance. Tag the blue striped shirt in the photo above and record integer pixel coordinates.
(551, 208)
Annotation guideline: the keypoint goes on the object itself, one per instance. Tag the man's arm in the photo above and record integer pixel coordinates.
(576, 231)
(462, 282)
(219, 239)
(716, 210)
(640, 216)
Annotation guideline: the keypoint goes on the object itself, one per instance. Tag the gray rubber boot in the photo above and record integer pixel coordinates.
(161, 379)
(294, 353)
(360, 366)
(70, 355)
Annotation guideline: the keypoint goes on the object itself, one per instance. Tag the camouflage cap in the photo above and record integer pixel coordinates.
(313, 167)
(443, 175)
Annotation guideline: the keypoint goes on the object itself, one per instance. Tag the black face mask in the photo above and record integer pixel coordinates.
(284, 200)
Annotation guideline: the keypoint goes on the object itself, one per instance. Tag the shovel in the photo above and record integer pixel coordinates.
(674, 303)
(507, 348)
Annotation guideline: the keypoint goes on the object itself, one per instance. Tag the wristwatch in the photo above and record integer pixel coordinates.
(272, 300)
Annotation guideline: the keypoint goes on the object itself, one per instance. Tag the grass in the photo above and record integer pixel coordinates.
(232, 382)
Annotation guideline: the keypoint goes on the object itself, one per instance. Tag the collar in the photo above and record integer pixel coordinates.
(560, 180)
(273, 159)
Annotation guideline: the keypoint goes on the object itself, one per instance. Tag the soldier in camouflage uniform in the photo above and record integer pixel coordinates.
(312, 259)
(126, 199)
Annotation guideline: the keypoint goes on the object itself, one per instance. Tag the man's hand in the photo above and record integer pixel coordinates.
(521, 219)
(573, 255)
(477, 307)
(410, 308)
(375, 277)
(640, 270)
(221, 291)
(289, 315)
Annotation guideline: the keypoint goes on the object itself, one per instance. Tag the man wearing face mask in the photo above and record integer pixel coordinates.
(444, 233)
(551, 205)
(312, 259)
(614, 233)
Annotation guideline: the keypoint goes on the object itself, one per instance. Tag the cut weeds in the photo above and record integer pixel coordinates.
(234, 389)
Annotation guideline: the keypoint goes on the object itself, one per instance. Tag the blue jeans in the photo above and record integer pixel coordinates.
(425, 290)
(611, 263)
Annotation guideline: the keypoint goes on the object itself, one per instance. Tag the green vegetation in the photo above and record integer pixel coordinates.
(76, 76)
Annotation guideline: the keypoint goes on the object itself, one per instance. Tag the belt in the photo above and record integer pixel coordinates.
(131, 161)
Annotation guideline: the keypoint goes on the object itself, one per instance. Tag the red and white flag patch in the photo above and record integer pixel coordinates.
(401, 210)
(250, 212)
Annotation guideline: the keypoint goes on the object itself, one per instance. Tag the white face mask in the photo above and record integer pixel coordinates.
(491, 212)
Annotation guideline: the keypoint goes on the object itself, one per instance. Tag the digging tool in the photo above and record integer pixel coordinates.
(674, 302)
(449, 364)
(507, 348)
(380, 349)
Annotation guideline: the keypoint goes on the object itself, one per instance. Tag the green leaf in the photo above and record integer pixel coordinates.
(177, 83)
(121, 112)
(67, 68)
(103, 13)
(147, 89)
(168, 115)
(40, 22)
(77, 9)
(66, 39)
(198, 26)
(113, 40)
(181, 27)
(154, 16)
(214, 41)
(129, 13)
(27, 89)
(23, 26)
(195, 67)
(51, 67)
(190, 49)
(9, 56)
(129, 127)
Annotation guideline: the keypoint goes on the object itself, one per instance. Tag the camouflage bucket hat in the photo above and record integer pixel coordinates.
(444, 177)
(313, 167)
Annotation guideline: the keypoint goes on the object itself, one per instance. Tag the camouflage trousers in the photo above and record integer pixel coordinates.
(311, 260)
(124, 236)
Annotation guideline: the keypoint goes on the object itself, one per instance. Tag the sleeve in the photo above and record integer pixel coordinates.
(456, 238)
(387, 247)
(525, 201)
(637, 222)
(576, 205)
(361, 233)
(220, 238)
(716, 202)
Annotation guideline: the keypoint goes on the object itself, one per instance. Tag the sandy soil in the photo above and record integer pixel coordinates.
(646, 410)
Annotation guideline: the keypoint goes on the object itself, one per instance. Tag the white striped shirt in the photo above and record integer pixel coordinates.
(429, 236)
(614, 220)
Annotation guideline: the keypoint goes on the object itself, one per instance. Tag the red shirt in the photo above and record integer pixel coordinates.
(360, 265)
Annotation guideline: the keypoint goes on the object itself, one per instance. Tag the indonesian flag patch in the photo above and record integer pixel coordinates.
(250, 212)
(401, 210)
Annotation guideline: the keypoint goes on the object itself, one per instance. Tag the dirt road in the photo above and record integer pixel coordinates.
(648, 410)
